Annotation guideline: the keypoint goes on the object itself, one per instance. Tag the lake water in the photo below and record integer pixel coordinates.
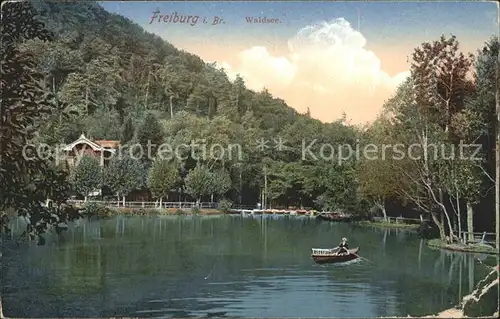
(229, 265)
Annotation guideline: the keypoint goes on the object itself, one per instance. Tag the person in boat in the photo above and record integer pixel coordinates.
(343, 247)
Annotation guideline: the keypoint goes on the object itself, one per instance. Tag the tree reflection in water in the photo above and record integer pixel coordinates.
(129, 265)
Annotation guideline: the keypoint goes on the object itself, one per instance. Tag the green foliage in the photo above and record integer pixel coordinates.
(127, 131)
(340, 188)
(96, 209)
(103, 125)
(225, 206)
(199, 182)
(150, 135)
(87, 176)
(428, 230)
(220, 182)
(26, 184)
(440, 109)
(163, 175)
(124, 175)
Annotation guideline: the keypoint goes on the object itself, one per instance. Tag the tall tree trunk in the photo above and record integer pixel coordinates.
(212, 198)
(239, 194)
(123, 201)
(442, 233)
(459, 219)
(445, 213)
(87, 100)
(470, 222)
(118, 201)
(265, 187)
(147, 91)
(56, 99)
(85, 200)
(161, 202)
(171, 107)
(450, 226)
(380, 203)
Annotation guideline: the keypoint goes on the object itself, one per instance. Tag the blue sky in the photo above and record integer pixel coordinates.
(333, 67)
(379, 20)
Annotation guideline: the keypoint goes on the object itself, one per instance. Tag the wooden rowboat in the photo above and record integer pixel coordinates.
(324, 256)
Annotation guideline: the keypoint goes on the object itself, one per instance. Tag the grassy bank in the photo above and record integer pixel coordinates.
(477, 248)
(106, 211)
(389, 225)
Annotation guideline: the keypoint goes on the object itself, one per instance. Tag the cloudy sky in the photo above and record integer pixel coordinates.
(332, 57)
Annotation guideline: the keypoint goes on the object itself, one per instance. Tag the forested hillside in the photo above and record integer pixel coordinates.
(116, 81)
(104, 76)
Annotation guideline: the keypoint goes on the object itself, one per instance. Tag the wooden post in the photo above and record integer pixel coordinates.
(265, 188)
(497, 195)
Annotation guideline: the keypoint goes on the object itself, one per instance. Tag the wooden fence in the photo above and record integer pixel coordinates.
(151, 205)
(479, 237)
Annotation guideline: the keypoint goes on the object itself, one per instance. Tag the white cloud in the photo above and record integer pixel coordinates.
(328, 69)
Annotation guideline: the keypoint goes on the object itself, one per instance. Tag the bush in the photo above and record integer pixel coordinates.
(140, 211)
(179, 212)
(96, 209)
(225, 206)
(195, 211)
(156, 212)
(428, 230)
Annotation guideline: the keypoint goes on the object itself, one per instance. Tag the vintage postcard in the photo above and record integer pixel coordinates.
(249, 159)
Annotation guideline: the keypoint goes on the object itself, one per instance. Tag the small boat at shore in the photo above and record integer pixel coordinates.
(324, 256)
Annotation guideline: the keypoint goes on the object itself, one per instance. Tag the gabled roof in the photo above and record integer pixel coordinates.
(108, 143)
(84, 140)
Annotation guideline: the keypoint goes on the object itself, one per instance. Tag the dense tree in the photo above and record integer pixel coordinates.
(199, 182)
(438, 109)
(439, 71)
(87, 176)
(27, 179)
(150, 136)
(123, 175)
(163, 176)
(221, 182)
(127, 131)
(378, 181)
(103, 125)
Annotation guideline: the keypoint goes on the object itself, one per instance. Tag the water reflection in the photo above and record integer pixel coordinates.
(254, 266)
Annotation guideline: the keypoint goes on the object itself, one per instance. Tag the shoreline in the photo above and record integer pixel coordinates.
(389, 225)
(437, 243)
(108, 211)
(126, 211)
